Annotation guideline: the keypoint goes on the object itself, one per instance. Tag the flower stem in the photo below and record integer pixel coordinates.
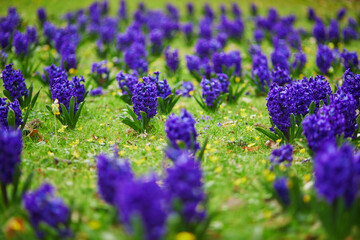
(4, 194)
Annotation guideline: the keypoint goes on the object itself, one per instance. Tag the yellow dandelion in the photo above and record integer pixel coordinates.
(185, 236)
(306, 198)
(62, 129)
(55, 107)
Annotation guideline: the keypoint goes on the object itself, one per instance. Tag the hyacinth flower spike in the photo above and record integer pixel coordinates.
(10, 175)
(15, 87)
(16, 91)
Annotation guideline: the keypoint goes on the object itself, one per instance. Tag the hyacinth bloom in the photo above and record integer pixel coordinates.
(184, 184)
(346, 104)
(162, 87)
(324, 58)
(351, 84)
(281, 155)
(14, 82)
(349, 34)
(334, 31)
(299, 61)
(96, 92)
(49, 31)
(319, 31)
(51, 73)
(111, 172)
(281, 189)
(186, 89)
(295, 98)
(181, 129)
(335, 173)
(122, 13)
(4, 110)
(41, 15)
(224, 81)
(144, 199)
(322, 127)
(350, 60)
(44, 207)
(188, 30)
(341, 13)
(259, 35)
(211, 90)
(145, 99)
(100, 70)
(280, 76)
(127, 82)
(10, 153)
(260, 71)
(172, 59)
(135, 57)
(21, 44)
(205, 28)
(63, 90)
(193, 63)
(156, 38)
(227, 61)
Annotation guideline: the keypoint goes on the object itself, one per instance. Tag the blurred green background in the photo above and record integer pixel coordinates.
(297, 7)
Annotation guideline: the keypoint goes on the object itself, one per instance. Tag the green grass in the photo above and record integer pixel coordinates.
(233, 175)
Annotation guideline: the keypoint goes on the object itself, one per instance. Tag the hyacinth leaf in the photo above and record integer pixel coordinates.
(336, 218)
(66, 116)
(15, 182)
(196, 75)
(299, 132)
(328, 99)
(11, 118)
(267, 133)
(201, 102)
(7, 95)
(71, 109)
(25, 118)
(202, 149)
(281, 134)
(126, 99)
(144, 120)
(312, 107)
(137, 227)
(27, 100)
(202, 228)
(174, 100)
(131, 124)
(77, 115)
(34, 99)
(131, 112)
(292, 126)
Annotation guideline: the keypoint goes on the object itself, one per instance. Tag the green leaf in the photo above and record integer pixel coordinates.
(25, 118)
(267, 133)
(34, 99)
(7, 95)
(27, 183)
(77, 115)
(131, 112)
(202, 150)
(72, 108)
(281, 134)
(11, 118)
(292, 126)
(66, 116)
(131, 124)
(27, 100)
(312, 107)
(15, 182)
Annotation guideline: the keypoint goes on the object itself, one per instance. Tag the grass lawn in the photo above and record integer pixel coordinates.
(236, 155)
